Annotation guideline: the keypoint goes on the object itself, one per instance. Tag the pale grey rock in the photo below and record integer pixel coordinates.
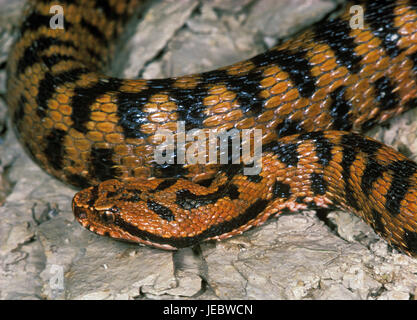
(209, 41)
(10, 14)
(229, 5)
(289, 258)
(352, 228)
(159, 24)
(3, 84)
(400, 133)
(394, 295)
(214, 40)
(336, 291)
(94, 266)
(282, 18)
(45, 254)
(19, 234)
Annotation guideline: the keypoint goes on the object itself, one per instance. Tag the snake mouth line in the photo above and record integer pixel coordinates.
(121, 232)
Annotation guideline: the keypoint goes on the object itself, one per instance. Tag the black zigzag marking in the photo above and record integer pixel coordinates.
(400, 184)
(162, 211)
(48, 85)
(335, 33)
(83, 99)
(187, 200)
(102, 165)
(339, 110)
(55, 150)
(296, 64)
(380, 16)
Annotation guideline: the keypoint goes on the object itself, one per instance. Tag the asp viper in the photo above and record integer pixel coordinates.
(311, 95)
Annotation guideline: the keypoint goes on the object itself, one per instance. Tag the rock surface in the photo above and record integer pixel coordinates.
(45, 254)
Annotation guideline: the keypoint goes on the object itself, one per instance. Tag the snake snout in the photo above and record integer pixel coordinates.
(79, 213)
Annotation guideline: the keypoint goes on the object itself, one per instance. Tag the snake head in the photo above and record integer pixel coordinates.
(165, 214)
(121, 211)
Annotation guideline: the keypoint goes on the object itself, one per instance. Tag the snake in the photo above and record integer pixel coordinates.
(312, 97)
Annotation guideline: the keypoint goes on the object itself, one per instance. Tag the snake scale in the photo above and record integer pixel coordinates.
(311, 96)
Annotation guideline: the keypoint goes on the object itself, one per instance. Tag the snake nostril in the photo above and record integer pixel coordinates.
(79, 213)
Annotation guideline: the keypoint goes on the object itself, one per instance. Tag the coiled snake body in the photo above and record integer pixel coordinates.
(311, 96)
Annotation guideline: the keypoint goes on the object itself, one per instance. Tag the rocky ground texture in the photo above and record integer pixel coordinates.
(45, 254)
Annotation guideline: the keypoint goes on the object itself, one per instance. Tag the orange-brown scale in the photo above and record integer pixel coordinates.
(188, 226)
(84, 127)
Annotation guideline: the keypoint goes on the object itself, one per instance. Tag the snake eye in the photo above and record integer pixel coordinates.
(108, 216)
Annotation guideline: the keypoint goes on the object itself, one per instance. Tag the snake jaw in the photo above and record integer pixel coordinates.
(106, 220)
(80, 212)
(87, 217)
